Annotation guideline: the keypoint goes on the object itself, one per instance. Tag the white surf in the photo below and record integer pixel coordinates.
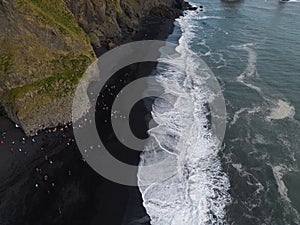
(187, 186)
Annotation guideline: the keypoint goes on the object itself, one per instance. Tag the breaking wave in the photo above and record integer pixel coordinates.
(189, 187)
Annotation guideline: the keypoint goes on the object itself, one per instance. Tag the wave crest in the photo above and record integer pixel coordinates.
(187, 185)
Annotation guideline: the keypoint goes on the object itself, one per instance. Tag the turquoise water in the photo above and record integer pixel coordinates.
(253, 47)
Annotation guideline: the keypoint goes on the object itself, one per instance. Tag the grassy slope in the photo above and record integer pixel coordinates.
(54, 72)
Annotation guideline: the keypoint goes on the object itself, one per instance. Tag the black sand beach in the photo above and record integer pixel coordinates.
(45, 181)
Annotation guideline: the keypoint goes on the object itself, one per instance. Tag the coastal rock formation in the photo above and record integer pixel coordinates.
(118, 20)
(45, 46)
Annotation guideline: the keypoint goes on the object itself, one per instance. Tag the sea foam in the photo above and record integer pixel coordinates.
(281, 110)
(186, 185)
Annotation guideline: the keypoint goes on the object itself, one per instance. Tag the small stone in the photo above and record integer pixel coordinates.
(111, 44)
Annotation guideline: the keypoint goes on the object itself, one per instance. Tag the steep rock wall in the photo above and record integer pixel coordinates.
(45, 46)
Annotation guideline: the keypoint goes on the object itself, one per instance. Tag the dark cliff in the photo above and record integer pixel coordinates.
(45, 46)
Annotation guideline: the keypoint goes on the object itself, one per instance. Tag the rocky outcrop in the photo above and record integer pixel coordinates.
(45, 46)
(118, 20)
(43, 52)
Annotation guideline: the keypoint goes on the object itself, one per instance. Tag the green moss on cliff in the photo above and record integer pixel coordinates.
(53, 13)
(44, 51)
(7, 57)
(69, 69)
(42, 58)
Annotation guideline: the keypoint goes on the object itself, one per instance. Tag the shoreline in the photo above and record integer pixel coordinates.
(56, 186)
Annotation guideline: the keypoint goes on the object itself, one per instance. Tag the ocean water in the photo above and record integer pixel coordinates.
(253, 175)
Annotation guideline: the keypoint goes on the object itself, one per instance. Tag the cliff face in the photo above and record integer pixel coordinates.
(118, 19)
(45, 46)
